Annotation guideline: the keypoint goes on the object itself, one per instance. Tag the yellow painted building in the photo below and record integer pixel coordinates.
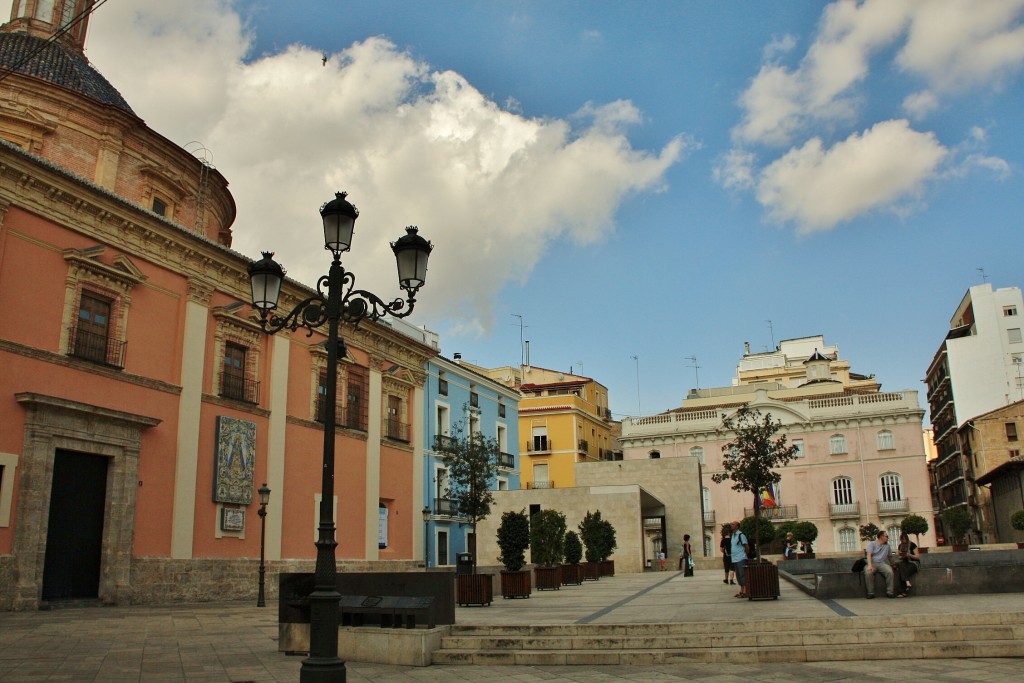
(563, 419)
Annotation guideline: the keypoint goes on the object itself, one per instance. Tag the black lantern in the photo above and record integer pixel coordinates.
(411, 252)
(339, 221)
(266, 276)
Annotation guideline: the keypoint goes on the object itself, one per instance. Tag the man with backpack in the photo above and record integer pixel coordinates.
(740, 546)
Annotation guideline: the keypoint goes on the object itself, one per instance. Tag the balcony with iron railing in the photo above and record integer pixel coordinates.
(550, 484)
(653, 522)
(893, 507)
(506, 461)
(446, 507)
(349, 418)
(97, 348)
(949, 477)
(443, 442)
(396, 430)
(844, 510)
(709, 518)
(539, 445)
(583, 446)
(239, 388)
(776, 512)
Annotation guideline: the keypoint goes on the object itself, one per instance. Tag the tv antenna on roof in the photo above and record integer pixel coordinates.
(984, 278)
(696, 374)
(522, 347)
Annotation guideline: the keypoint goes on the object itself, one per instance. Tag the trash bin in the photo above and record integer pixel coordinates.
(463, 563)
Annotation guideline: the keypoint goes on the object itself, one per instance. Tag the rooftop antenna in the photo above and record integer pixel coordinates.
(522, 348)
(984, 278)
(636, 359)
(771, 329)
(580, 364)
(693, 364)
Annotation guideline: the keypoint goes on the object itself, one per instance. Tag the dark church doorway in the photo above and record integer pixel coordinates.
(74, 537)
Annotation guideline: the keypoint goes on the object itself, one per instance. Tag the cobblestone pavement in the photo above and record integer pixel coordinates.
(236, 642)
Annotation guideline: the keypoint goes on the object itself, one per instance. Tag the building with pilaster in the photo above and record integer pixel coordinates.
(860, 452)
(141, 406)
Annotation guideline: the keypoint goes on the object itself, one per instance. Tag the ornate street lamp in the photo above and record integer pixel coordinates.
(340, 302)
(262, 512)
(426, 543)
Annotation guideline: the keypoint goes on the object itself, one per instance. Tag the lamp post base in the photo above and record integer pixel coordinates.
(322, 670)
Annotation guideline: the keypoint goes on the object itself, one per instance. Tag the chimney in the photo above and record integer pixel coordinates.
(746, 348)
(457, 357)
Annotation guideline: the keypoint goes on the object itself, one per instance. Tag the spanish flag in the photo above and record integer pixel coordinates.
(768, 498)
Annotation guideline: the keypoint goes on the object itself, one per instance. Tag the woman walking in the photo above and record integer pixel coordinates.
(726, 546)
(687, 559)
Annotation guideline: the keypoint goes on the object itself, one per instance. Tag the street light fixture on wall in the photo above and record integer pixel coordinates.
(340, 302)
(264, 492)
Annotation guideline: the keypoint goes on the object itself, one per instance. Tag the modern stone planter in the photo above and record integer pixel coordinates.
(515, 584)
(547, 578)
(474, 589)
(572, 574)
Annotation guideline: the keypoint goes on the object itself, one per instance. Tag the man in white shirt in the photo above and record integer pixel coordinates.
(877, 555)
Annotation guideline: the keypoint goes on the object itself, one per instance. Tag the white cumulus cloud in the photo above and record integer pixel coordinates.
(412, 144)
(817, 188)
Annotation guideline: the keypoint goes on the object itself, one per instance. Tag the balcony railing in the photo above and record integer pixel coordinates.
(239, 388)
(538, 446)
(584, 446)
(550, 484)
(443, 442)
(343, 417)
(844, 510)
(98, 348)
(446, 507)
(396, 430)
(777, 512)
(709, 518)
(951, 476)
(893, 507)
(507, 461)
(652, 522)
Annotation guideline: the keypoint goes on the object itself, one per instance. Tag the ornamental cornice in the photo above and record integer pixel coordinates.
(200, 291)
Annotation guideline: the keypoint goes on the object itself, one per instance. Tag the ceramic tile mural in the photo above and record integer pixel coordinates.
(235, 460)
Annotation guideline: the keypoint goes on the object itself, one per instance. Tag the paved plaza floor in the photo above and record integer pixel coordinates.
(236, 642)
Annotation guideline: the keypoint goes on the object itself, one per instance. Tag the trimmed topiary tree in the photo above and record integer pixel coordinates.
(869, 531)
(914, 524)
(806, 533)
(591, 535)
(513, 539)
(1017, 520)
(547, 538)
(958, 522)
(573, 548)
(759, 528)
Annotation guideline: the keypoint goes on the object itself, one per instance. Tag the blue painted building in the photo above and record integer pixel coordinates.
(455, 396)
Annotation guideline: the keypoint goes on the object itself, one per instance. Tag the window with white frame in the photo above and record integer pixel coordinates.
(705, 497)
(892, 488)
(799, 444)
(842, 491)
(698, 452)
(847, 540)
(837, 444)
(886, 442)
(894, 532)
(1013, 335)
(1009, 310)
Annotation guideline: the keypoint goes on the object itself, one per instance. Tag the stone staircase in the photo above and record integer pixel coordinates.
(929, 636)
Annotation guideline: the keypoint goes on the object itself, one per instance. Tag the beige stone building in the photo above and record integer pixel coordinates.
(861, 455)
(660, 501)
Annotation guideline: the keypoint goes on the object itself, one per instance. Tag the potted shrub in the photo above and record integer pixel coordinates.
(547, 546)
(572, 572)
(806, 533)
(749, 460)
(958, 522)
(757, 527)
(592, 533)
(917, 525)
(472, 462)
(607, 545)
(1017, 522)
(513, 540)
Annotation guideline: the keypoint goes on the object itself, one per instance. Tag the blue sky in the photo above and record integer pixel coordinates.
(649, 179)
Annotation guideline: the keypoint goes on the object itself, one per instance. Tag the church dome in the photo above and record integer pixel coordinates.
(55, 63)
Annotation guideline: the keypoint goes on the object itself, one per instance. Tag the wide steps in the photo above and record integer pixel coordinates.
(791, 640)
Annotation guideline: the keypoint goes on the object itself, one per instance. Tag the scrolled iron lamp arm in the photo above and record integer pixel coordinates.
(336, 301)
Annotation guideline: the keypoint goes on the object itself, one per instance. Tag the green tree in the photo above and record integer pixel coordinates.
(1017, 520)
(958, 522)
(598, 536)
(914, 524)
(750, 458)
(547, 537)
(573, 548)
(513, 539)
(806, 533)
(472, 461)
(869, 531)
(758, 528)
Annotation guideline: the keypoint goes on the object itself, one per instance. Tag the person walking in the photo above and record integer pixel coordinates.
(789, 551)
(740, 547)
(877, 555)
(686, 561)
(726, 547)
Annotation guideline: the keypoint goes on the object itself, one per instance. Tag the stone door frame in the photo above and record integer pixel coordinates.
(53, 424)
